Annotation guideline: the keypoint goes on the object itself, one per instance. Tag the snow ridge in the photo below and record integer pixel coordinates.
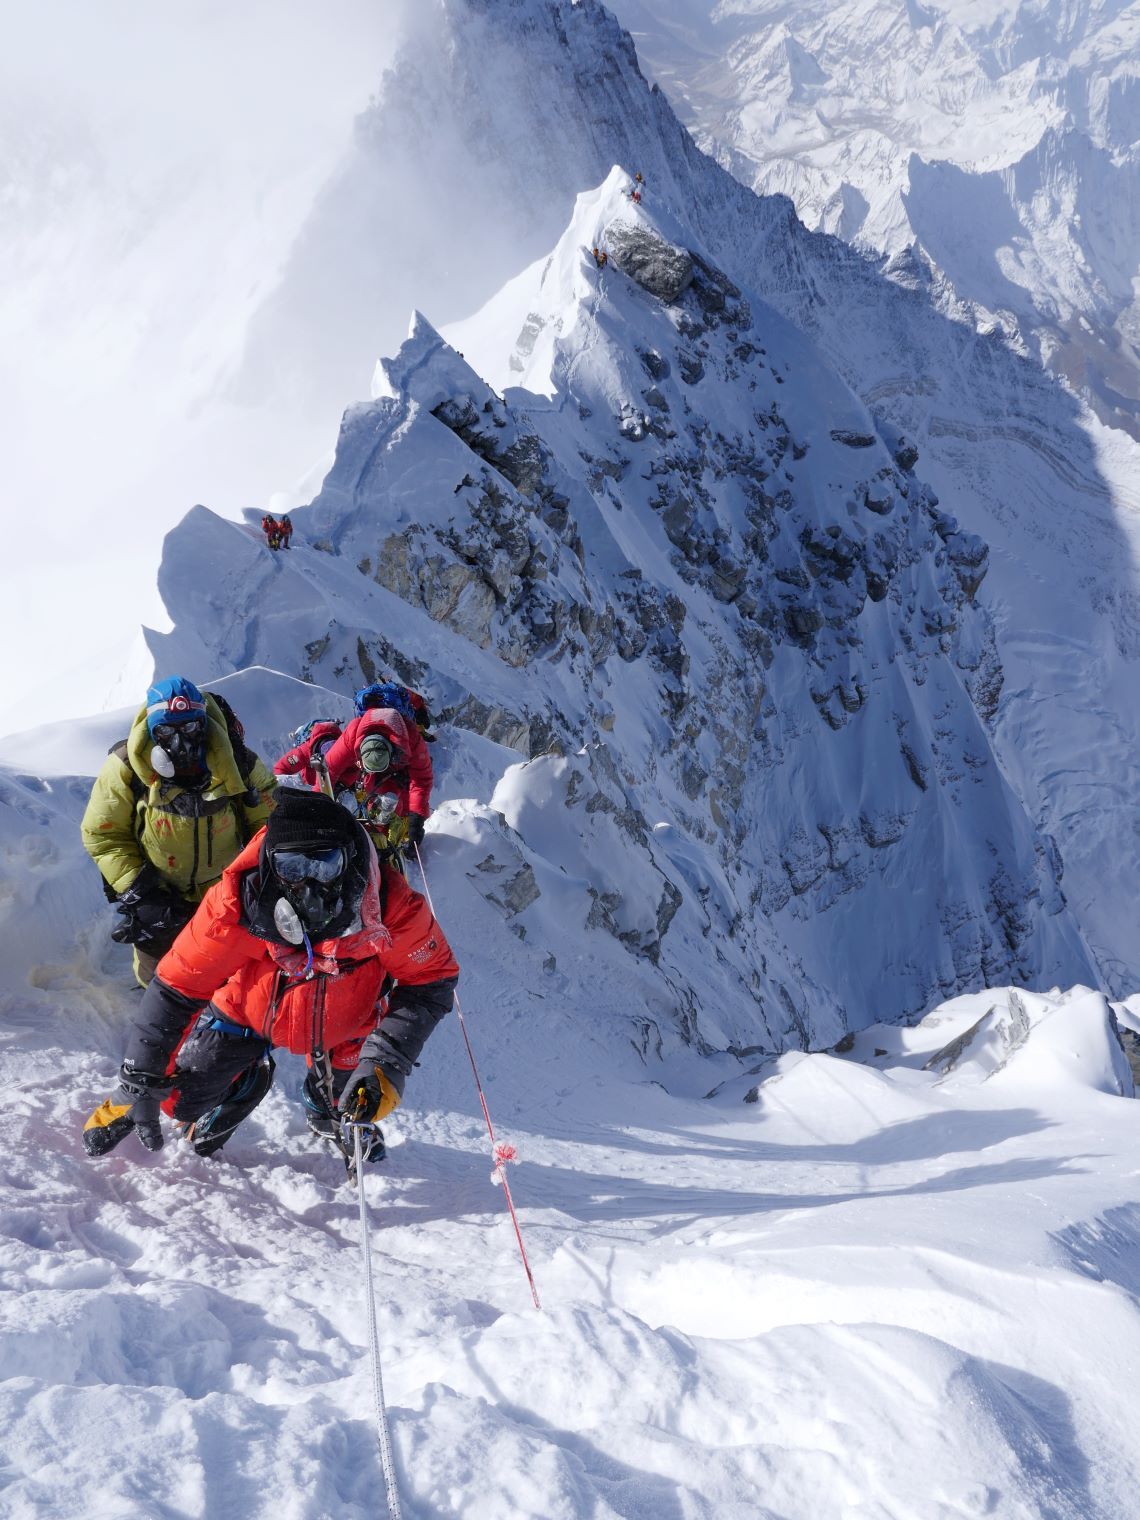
(557, 95)
(765, 672)
(699, 630)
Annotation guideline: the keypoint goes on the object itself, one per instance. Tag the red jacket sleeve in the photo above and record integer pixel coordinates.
(340, 760)
(292, 761)
(300, 759)
(420, 775)
(211, 948)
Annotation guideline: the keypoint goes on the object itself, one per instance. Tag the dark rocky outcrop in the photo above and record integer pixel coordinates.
(657, 266)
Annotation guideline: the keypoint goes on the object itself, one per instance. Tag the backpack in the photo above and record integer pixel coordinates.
(244, 757)
(408, 703)
(385, 694)
(299, 735)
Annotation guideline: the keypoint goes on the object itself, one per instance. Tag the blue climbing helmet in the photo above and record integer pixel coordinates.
(173, 700)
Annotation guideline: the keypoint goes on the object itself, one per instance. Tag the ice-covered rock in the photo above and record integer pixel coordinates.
(1016, 460)
(713, 603)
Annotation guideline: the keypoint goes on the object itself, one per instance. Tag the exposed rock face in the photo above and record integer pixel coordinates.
(659, 268)
(725, 628)
(519, 457)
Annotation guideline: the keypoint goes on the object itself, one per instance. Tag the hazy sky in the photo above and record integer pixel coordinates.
(156, 163)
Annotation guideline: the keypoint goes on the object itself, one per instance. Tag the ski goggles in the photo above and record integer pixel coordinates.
(189, 728)
(296, 866)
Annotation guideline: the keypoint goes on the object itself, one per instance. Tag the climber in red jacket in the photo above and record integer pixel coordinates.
(307, 942)
(384, 753)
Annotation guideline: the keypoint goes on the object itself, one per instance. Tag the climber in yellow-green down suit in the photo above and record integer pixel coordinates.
(173, 805)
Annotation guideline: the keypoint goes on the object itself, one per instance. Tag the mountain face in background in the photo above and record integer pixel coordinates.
(784, 636)
(1001, 142)
(466, 171)
(677, 565)
(817, 604)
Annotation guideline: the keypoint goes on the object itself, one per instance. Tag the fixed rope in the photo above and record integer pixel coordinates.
(501, 1153)
(383, 1434)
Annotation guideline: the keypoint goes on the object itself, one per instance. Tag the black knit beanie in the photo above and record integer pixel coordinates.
(308, 820)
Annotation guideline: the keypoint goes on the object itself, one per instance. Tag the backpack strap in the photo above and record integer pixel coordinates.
(121, 753)
(138, 792)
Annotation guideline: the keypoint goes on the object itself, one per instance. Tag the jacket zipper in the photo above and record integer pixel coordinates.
(317, 1027)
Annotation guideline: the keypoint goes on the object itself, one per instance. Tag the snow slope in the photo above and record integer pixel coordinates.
(894, 1281)
(1003, 140)
(466, 171)
(890, 1278)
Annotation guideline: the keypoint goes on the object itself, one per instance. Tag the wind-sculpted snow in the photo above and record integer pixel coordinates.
(679, 568)
(893, 1275)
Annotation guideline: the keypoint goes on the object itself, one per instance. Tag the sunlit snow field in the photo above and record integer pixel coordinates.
(860, 1284)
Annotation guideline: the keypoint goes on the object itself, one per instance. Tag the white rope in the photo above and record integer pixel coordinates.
(382, 1432)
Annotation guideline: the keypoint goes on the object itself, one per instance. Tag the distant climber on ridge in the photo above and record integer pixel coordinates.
(285, 531)
(601, 257)
(272, 530)
(172, 805)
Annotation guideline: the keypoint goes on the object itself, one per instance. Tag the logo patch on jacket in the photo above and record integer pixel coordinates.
(423, 953)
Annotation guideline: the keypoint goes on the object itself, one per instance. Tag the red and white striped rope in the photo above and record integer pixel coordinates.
(501, 1153)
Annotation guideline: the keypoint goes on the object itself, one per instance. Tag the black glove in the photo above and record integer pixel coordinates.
(135, 1104)
(415, 834)
(153, 916)
(368, 1096)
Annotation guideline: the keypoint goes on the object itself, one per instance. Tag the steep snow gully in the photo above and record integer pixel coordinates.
(749, 756)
